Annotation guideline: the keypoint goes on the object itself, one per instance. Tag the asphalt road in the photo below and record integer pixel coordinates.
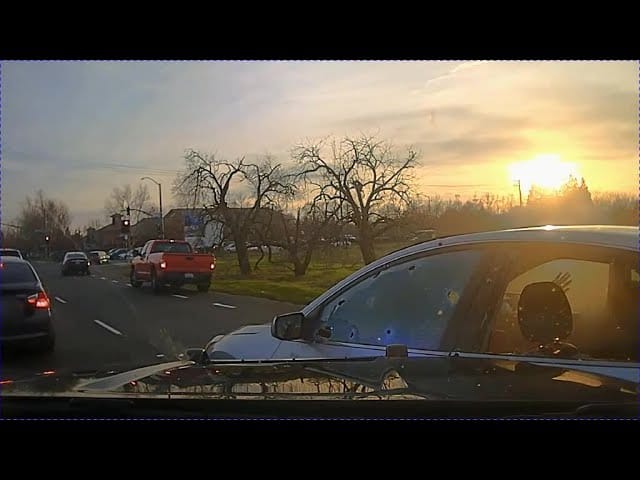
(101, 321)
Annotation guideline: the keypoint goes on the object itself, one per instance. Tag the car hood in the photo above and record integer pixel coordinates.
(251, 342)
(442, 378)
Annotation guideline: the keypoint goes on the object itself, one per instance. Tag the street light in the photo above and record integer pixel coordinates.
(160, 195)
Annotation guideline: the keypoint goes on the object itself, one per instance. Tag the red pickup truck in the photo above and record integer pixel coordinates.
(171, 262)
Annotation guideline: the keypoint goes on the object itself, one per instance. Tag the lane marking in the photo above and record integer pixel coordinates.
(178, 296)
(223, 305)
(129, 285)
(103, 278)
(60, 300)
(114, 281)
(111, 329)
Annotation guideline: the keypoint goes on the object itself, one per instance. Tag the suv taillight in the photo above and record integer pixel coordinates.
(39, 300)
(163, 264)
(213, 265)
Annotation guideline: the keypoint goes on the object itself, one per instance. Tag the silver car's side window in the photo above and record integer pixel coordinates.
(410, 303)
(602, 297)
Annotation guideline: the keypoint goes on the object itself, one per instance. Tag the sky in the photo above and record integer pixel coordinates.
(78, 129)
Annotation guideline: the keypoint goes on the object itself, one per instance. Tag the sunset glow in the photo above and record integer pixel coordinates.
(547, 171)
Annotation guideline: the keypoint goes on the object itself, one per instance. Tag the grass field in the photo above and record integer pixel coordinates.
(276, 280)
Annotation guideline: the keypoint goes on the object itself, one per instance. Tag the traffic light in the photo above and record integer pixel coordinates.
(125, 225)
(128, 212)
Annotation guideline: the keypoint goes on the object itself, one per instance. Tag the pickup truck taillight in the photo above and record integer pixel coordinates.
(163, 264)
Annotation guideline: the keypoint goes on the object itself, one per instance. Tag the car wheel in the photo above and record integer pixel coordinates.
(204, 287)
(155, 286)
(132, 279)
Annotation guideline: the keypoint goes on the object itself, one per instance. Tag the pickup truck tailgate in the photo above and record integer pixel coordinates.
(188, 262)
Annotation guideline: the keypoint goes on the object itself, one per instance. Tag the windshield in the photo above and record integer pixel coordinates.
(478, 210)
(11, 273)
(75, 256)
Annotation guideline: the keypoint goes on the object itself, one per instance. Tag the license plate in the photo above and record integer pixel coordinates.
(188, 275)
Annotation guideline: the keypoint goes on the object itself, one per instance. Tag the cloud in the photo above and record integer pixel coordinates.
(470, 151)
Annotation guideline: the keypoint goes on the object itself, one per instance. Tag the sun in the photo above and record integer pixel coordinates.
(546, 171)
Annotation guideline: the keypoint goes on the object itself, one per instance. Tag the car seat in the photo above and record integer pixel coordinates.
(545, 318)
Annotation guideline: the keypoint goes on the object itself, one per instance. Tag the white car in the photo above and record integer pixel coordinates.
(548, 293)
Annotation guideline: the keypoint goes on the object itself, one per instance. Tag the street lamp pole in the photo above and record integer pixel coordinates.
(160, 195)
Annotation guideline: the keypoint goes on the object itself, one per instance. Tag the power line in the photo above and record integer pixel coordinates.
(461, 185)
(122, 168)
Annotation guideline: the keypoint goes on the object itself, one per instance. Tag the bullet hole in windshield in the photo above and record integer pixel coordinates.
(352, 333)
(453, 297)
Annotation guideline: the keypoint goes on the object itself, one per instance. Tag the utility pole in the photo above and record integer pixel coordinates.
(519, 185)
(46, 233)
(160, 195)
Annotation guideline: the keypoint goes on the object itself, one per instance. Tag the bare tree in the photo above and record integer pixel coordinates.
(217, 185)
(370, 181)
(303, 233)
(138, 201)
(40, 216)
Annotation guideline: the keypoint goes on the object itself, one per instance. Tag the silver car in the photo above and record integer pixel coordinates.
(558, 294)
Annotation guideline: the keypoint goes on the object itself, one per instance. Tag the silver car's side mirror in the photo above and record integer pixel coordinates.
(288, 326)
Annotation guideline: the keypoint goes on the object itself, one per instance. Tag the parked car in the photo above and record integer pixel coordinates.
(75, 262)
(547, 294)
(10, 252)
(169, 262)
(118, 254)
(98, 257)
(229, 247)
(27, 317)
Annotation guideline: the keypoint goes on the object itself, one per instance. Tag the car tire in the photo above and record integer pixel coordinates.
(204, 287)
(132, 279)
(155, 286)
